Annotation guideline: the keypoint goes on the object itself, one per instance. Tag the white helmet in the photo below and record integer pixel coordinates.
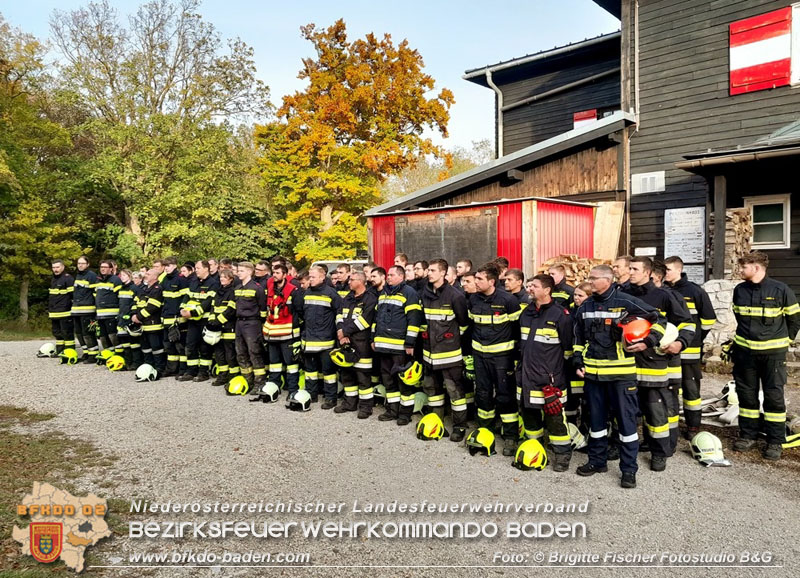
(270, 393)
(146, 372)
(211, 337)
(707, 449)
(47, 350)
(576, 439)
(300, 400)
(134, 329)
(669, 337)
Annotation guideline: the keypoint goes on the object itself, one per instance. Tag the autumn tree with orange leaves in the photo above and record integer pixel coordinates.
(360, 120)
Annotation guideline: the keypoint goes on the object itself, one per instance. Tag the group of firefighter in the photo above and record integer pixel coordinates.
(519, 357)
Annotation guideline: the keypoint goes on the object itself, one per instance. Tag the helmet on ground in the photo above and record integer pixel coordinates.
(104, 356)
(379, 394)
(521, 425)
(635, 329)
(211, 337)
(134, 329)
(344, 356)
(214, 369)
(430, 427)
(420, 402)
(47, 350)
(410, 373)
(270, 392)
(68, 357)
(115, 363)
(707, 449)
(481, 440)
(238, 386)
(530, 456)
(669, 337)
(146, 372)
(299, 400)
(576, 439)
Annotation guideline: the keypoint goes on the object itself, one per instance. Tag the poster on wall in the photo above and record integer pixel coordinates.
(685, 234)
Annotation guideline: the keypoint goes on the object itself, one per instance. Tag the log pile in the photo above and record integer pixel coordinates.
(577, 268)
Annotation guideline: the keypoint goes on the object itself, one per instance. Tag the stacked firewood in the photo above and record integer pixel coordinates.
(577, 268)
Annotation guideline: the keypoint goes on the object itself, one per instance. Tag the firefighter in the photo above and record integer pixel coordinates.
(354, 329)
(251, 311)
(563, 292)
(495, 332)
(148, 313)
(281, 333)
(342, 284)
(468, 287)
(622, 270)
(767, 321)
(84, 309)
(213, 268)
(609, 369)
(546, 333)
(420, 279)
(223, 319)
(514, 284)
(59, 307)
(446, 321)
(128, 347)
(107, 303)
(377, 281)
(576, 409)
(175, 291)
(262, 273)
(463, 267)
(704, 317)
(197, 310)
(316, 310)
(398, 317)
(652, 371)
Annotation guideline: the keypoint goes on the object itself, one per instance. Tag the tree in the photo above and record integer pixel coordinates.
(360, 120)
(32, 229)
(160, 94)
(429, 171)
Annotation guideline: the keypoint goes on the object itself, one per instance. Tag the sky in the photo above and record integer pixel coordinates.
(452, 36)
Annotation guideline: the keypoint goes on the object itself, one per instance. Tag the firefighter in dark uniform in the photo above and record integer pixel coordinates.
(59, 307)
(652, 370)
(84, 309)
(495, 332)
(446, 321)
(354, 328)
(767, 321)
(342, 284)
(398, 317)
(223, 319)
(316, 310)
(107, 303)
(704, 317)
(563, 292)
(148, 314)
(128, 348)
(377, 281)
(202, 290)
(175, 291)
(546, 333)
(251, 311)
(609, 368)
(515, 284)
(281, 333)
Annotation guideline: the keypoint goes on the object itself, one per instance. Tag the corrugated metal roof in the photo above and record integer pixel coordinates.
(786, 136)
(494, 169)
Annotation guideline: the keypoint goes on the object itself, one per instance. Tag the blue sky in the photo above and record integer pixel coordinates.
(451, 36)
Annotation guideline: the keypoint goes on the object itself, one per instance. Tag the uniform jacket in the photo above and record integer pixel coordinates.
(59, 303)
(702, 312)
(316, 310)
(398, 318)
(446, 320)
(767, 316)
(495, 323)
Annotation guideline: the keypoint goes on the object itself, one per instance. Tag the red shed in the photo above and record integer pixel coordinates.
(525, 231)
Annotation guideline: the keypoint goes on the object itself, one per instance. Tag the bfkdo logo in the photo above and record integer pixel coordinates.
(46, 541)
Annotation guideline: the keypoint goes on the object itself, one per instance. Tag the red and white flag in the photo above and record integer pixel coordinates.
(761, 51)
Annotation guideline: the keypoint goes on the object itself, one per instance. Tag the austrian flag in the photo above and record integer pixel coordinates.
(761, 52)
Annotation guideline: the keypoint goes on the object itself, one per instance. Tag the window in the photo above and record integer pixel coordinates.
(770, 215)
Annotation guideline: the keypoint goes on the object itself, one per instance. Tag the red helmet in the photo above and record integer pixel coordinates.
(635, 329)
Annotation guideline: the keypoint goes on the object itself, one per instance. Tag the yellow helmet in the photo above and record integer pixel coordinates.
(344, 356)
(410, 373)
(481, 440)
(68, 357)
(115, 363)
(104, 356)
(530, 456)
(430, 427)
(238, 386)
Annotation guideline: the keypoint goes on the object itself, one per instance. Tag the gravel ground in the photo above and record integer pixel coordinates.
(189, 442)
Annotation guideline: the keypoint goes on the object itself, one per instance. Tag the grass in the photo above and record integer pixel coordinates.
(29, 455)
(16, 331)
